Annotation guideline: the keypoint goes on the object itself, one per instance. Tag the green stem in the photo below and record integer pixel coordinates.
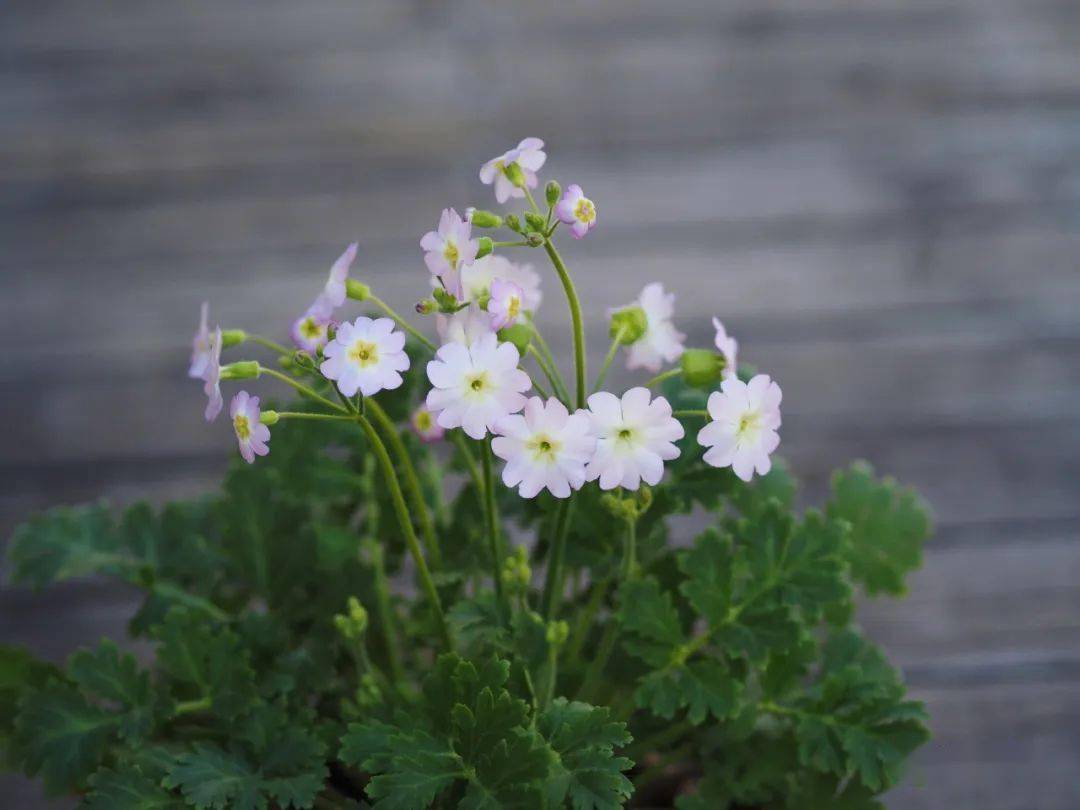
(510, 244)
(192, 706)
(492, 520)
(666, 375)
(586, 617)
(690, 414)
(552, 676)
(299, 386)
(405, 521)
(404, 324)
(539, 358)
(458, 438)
(412, 482)
(386, 612)
(615, 344)
(559, 385)
(553, 586)
(305, 415)
(170, 591)
(269, 344)
(575, 318)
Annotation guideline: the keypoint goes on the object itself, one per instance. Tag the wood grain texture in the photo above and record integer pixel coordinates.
(881, 199)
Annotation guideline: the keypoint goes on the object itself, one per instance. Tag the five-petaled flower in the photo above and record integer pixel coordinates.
(742, 433)
(309, 331)
(212, 377)
(467, 325)
(477, 278)
(366, 356)
(505, 305)
(662, 342)
(423, 422)
(251, 434)
(200, 344)
(577, 211)
(635, 435)
(449, 248)
(727, 346)
(476, 385)
(528, 157)
(546, 447)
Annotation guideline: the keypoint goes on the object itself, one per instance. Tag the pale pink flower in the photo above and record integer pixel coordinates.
(505, 304)
(449, 248)
(423, 422)
(477, 278)
(546, 447)
(309, 331)
(635, 435)
(212, 377)
(662, 342)
(200, 344)
(466, 326)
(367, 356)
(577, 211)
(334, 293)
(727, 346)
(743, 430)
(476, 385)
(528, 156)
(251, 434)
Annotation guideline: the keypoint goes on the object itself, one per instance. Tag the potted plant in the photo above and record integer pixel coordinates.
(444, 576)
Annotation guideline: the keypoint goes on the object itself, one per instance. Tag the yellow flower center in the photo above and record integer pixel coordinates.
(513, 309)
(543, 448)
(364, 353)
(626, 435)
(242, 427)
(424, 421)
(749, 424)
(450, 253)
(311, 329)
(585, 210)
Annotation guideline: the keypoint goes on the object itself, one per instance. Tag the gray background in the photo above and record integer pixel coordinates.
(881, 198)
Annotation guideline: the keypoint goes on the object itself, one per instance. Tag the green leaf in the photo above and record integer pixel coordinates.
(128, 789)
(889, 525)
(412, 768)
(63, 543)
(212, 779)
(20, 672)
(709, 570)
(110, 675)
(587, 769)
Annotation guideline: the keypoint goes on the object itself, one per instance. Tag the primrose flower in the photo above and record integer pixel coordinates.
(366, 356)
(727, 346)
(309, 331)
(547, 447)
(742, 433)
(200, 344)
(505, 304)
(528, 157)
(333, 294)
(635, 435)
(212, 377)
(577, 211)
(251, 434)
(465, 326)
(476, 385)
(423, 422)
(477, 278)
(449, 248)
(662, 342)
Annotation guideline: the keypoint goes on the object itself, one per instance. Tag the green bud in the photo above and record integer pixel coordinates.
(353, 623)
(357, 290)
(534, 239)
(425, 307)
(486, 246)
(232, 337)
(557, 633)
(516, 573)
(535, 221)
(515, 175)
(701, 368)
(446, 302)
(486, 219)
(513, 223)
(628, 325)
(269, 418)
(244, 370)
(519, 334)
(552, 192)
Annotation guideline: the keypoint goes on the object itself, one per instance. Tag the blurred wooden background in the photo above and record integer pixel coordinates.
(880, 197)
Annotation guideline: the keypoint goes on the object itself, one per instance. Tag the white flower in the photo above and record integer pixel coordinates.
(251, 434)
(466, 325)
(333, 294)
(505, 305)
(309, 331)
(662, 342)
(634, 437)
(547, 447)
(212, 377)
(743, 431)
(528, 156)
(477, 278)
(476, 385)
(577, 211)
(449, 248)
(727, 346)
(200, 344)
(367, 356)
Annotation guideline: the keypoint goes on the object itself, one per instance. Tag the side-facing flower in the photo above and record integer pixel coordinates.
(477, 278)
(505, 305)
(200, 344)
(251, 434)
(546, 447)
(727, 346)
(662, 342)
(449, 248)
(476, 385)
(423, 422)
(333, 294)
(466, 326)
(635, 435)
(577, 211)
(367, 356)
(742, 433)
(528, 157)
(309, 331)
(212, 377)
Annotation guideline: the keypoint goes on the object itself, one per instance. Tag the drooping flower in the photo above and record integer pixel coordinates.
(309, 331)
(367, 356)
(200, 344)
(423, 422)
(528, 156)
(635, 435)
(251, 434)
(333, 294)
(727, 346)
(742, 433)
(465, 326)
(449, 248)
(476, 384)
(477, 278)
(577, 211)
(212, 377)
(662, 342)
(546, 447)
(505, 304)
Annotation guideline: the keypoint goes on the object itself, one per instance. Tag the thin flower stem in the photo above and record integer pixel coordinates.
(405, 521)
(539, 358)
(458, 437)
(510, 244)
(560, 386)
(191, 706)
(575, 318)
(386, 610)
(299, 386)
(552, 676)
(553, 585)
(305, 415)
(269, 344)
(492, 519)
(615, 344)
(404, 324)
(172, 592)
(412, 482)
(690, 414)
(666, 375)
(586, 617)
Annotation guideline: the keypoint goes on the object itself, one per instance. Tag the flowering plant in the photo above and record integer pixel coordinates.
(444, 576)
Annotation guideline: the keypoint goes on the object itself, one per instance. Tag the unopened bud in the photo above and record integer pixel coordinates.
(486, 219)
(269, 418)
(552, 191)
(534, 221)
(353, 623)
(244, 370)
(425, 307)
(485, 247)
(232, 337)
(628, 325)
(513, 223)
(534, 239)
(557, 633)
(357, 290)
(701, 368)
(515, 175)
(516, 573)
(519, 334)
(446, 302)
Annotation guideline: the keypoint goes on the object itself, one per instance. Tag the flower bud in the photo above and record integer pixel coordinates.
(486, 246)
(353, 623)
(535, 221)
(552, 192)
(519, 334)
(516, 573)
(269, 418)
(701, 368)
(515, 175)
(446, 302)
(534, 239)
(486, 219)
(357, 290)
(628, 325)
(232, 337)
(557, 633)
(513, 223)
(244, 370)
(425, 307)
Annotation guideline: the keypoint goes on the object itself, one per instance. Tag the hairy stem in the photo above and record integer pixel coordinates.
(404, 324)
(299, 386)
(615, 344)
(553, 586)
(492, 519)
(575, 318)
